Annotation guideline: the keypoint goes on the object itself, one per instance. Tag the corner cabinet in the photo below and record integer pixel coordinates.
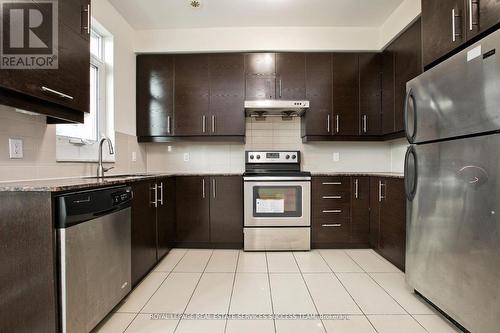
(62, 94)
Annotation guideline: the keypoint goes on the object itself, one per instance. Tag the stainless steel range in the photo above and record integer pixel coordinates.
(277, 202)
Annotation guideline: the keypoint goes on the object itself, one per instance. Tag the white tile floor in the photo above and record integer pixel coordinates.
(360, 290)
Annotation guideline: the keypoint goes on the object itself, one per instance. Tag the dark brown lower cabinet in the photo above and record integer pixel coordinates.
(360, 213)
(226, 211)
(165, 215)
(389, 234)
(193, 209)
(28, 296)
(143, 235)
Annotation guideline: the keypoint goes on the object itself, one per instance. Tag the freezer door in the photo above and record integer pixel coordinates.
(459, 97)
(453, 239)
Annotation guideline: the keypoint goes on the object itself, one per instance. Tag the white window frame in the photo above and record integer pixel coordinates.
(70, 149)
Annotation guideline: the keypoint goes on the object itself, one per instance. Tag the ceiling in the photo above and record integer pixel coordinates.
(171, 14)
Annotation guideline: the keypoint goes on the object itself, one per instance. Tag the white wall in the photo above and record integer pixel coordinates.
(398, 151)
(402, 17)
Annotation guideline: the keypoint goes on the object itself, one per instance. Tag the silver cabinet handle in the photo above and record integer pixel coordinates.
(160, 187)
(337, 123)
(155, 202)
(364, 123)
(470, 15)
(203, 188)
(454, 33)
(380, 196)
(332, 197)
(204, 124)
(356, 188)
(214, 188)
(280, 87)
(57, 93)
(86, 10)
(328, 121)
(169, 126)
(334, 211)
(332, 183)
(213, 123)
(331, 225)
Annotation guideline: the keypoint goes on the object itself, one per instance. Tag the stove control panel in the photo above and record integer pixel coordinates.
(291, 157)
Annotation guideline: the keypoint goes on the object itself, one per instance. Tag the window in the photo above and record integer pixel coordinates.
(78, 142)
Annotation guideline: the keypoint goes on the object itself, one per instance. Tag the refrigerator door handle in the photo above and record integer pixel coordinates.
(411, 173)
(410, 116)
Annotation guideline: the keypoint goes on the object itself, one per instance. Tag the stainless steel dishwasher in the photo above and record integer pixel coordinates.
(93, 235)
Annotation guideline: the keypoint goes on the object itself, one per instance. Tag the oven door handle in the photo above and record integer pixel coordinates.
(275, 178)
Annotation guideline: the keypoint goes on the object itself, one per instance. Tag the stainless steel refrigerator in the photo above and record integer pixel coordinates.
(452, 178)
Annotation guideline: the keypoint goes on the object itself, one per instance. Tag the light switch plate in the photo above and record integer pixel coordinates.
(336, 157)
(16, 148)
(186, 157)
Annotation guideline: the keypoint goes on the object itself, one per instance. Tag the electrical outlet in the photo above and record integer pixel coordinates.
(186, 157)
(336, 157)
(134, 156)
(169, 149)
(16, 148)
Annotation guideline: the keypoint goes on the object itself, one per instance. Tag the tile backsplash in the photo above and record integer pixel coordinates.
(39, 145)
(275, 134)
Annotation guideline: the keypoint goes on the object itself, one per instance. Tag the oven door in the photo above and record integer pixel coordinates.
(277, 203)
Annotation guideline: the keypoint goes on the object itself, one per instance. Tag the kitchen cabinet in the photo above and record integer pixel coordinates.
(193, 209)
(143, 233)
(360, 212)
(449, 24)
(28, 282)
(63, 93)
(165, 215)
(260, 72)
(154, 95)
(401, 62)
(227, 94)
(317, 121)
(291, 72)
(226, 211)
(370, 92)
(345, 94)
(191, 95)
(388, 237)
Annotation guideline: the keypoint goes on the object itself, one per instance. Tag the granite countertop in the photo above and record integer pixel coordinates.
(373, 174)
(81, 183)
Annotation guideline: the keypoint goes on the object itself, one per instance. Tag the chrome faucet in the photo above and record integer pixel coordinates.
(100, 168)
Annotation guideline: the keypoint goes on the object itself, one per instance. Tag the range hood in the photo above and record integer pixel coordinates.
(275, 108)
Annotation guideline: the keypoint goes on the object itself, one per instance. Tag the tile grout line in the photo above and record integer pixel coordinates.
(309, 291)
(270, 292)
(347, 291)
(159, 286)
(232, 290)
(194, 290)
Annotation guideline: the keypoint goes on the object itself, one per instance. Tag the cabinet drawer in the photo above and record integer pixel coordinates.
(331, 232)
(332, 197)
(327, 185)
(332, 211)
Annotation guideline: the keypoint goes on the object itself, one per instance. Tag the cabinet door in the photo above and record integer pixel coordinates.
(226, 210)
(360, 216)
(143, 252)
(318, 118)
(165, 215)
(290, 80)
(374, 212)
(191, 95)
(260, 76)
(192, 212)
(388, 92)
(481, 15)
(443, 24)
(370, 89)
(75, 14)
(345, 94)
(155, 88)
(227, 94)
(393, 221)
(407, 65)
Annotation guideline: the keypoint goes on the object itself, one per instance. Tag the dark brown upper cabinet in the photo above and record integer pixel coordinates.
(192, 93)
(317, 121)
(155, 89)
(63, 94)
(448, 24)
(370, 92)
(345, 94)
(227, 94)
(401, 62)
(290, 79)
(260, 72)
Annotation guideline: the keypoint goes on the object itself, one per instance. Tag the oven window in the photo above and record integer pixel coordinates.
(277, 201)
